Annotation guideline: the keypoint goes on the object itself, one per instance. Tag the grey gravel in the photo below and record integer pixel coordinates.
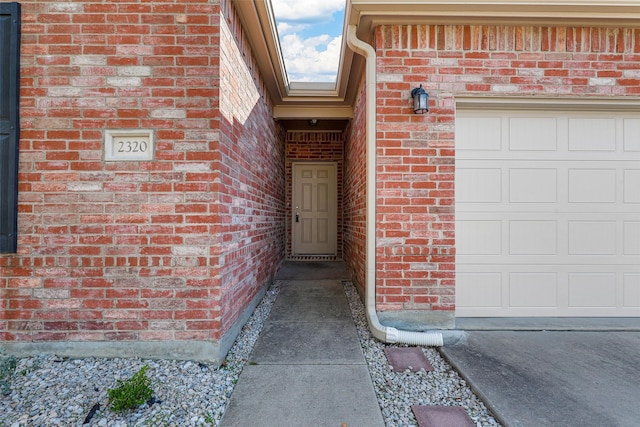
(51, 391)
(48, 390)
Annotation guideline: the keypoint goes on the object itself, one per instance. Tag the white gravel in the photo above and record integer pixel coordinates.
(48, 390)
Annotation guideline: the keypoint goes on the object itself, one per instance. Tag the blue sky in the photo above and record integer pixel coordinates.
(310, 37)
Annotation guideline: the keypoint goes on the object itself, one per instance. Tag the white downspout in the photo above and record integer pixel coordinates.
(383, 333)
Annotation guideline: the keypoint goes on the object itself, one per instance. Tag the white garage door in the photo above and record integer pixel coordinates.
(547, 213)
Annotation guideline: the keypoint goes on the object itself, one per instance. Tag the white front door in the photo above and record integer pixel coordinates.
(314, 213)
(547, 213)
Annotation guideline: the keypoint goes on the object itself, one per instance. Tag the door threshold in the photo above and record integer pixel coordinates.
(313, 258)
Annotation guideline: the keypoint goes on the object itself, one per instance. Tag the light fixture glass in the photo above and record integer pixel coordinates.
(420, 100)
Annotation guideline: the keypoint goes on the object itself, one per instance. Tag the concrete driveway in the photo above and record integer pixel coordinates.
(554, 378)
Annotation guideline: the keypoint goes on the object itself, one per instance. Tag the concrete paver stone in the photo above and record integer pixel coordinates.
(411, 358)
(441, 416)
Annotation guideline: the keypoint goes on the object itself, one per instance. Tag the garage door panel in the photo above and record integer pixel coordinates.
(544, 284)
(554, 228)
(480, 133)
(631, 186)
(592, 290)
(536, 261)
(482, 289)
(484, 185)
(577, 290)
(592, 134)
(631, 238)
(533, 133)
(592, 238)
(631, 290)
(479, 237)
(594, 157)
(592, 185)
(533, 238)
(533, 185)
(631, 134)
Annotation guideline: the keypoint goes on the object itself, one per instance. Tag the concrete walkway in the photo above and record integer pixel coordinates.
(554, 378)
(307, 368)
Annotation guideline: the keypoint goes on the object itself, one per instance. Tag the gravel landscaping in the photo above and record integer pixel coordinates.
(48, 390)
(398, 391)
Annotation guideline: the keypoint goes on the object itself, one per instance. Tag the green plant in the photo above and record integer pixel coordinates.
(131, 393)
(208, 418)
(7, 370)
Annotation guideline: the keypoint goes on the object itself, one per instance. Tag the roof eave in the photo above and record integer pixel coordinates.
(367, 14)
(295, 100)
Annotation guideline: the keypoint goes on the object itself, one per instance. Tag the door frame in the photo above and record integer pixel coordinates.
(294, 165)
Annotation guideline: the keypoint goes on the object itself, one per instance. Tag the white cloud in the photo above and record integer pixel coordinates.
(306, 10)
(287, 28)
(310, 38)
(314, 59)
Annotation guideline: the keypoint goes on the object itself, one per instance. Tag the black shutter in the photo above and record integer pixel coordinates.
(9, 124)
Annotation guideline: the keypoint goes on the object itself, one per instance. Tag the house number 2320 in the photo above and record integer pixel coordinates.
(132, 146)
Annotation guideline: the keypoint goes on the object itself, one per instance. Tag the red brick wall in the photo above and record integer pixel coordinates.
(316, 147)
(355, 193)
(250, 178)
(153, 250)
(416, 246)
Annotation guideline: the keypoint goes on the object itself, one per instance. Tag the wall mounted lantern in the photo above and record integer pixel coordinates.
(420, 100)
